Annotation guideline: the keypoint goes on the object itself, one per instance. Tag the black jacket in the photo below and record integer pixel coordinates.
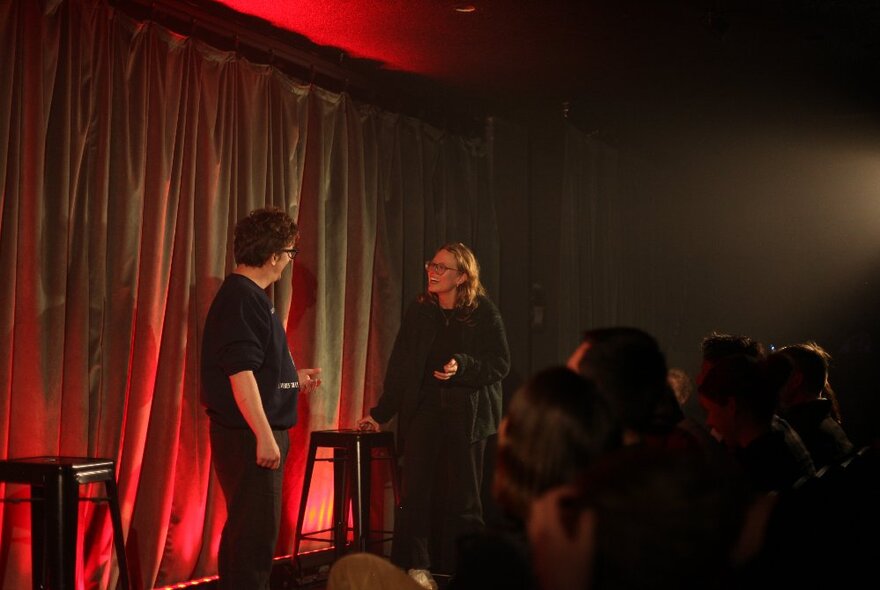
(822, 435)
(483, 362)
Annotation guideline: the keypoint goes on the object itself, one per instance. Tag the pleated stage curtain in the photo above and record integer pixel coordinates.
(127, 153)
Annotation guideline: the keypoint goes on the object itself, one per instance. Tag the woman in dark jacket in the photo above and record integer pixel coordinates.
(443, 381)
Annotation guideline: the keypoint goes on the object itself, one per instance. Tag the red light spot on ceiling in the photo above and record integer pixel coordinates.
(497, 48)
(391, 32)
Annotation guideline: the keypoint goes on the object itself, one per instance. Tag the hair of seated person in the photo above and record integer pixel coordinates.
(557, 424)
(629, 368)
(812, 362)
(718, 345)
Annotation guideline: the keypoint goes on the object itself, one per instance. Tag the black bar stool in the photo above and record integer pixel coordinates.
(353, 453)
(54, 502)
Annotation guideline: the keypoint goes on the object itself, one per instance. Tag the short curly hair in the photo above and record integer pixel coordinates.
(262, 233)
(717, 346)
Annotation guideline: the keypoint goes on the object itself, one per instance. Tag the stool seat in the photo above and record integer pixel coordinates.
(353, 454)
(55, 500)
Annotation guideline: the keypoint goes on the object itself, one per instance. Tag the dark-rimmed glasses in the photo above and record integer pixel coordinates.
(291, 252)
(437, 268)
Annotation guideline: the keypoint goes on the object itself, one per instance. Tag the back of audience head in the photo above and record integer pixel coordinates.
(557, 423)
(717, 346)
(630, 370)
(809, 380)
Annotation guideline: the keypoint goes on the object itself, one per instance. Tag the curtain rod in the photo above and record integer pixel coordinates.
(248, 34)
(200, 17)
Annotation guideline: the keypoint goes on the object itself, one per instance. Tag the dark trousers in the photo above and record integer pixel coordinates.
(440, 463)
(253, 507)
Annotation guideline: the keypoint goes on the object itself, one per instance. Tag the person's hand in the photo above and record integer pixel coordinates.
(367, 423)
(308, 380)
(268, 453)
(449, 369)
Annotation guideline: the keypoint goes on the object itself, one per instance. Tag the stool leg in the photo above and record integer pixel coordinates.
(38, 536)
(61, 518)
(118, 538)
(304, 497)
(341, 500)
(361, 510)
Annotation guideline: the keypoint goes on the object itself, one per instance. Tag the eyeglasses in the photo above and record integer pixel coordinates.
(437, 268)
(291, 252)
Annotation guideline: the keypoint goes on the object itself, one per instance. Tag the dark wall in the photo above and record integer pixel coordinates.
(753, 225)
(545, 187)
(509, 162)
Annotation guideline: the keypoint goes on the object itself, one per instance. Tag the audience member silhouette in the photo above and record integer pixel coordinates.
(586, 512)
(629, 369)
(833, 517)
(716, 347)
(805, 532)
(556, 425)
(740, 394)
(368, 571)
(808, 404)
(640, 518)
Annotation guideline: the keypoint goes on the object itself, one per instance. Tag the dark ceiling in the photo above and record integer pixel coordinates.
(614, 62)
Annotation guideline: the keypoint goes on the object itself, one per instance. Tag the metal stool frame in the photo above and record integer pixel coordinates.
(54, 503)
(352, 461)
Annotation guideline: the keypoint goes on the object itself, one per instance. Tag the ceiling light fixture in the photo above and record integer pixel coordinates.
(465, 8)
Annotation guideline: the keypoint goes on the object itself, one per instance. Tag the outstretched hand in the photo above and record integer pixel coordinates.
(308, 380)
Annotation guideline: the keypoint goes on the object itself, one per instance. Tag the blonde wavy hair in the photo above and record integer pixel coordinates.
(471, 289)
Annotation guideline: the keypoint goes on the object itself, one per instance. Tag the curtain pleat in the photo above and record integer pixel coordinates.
(609, 211)
(127, 154)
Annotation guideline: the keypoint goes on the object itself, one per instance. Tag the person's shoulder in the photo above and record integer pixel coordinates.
(419, 307)
(419, 303)
(485, 300)
(486, 306)
(241, 292)
(230, 289)
(238, 282)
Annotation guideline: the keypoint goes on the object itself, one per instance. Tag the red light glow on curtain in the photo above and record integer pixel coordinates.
(127, 155)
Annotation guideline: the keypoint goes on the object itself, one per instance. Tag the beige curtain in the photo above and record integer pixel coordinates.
(127, 153)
